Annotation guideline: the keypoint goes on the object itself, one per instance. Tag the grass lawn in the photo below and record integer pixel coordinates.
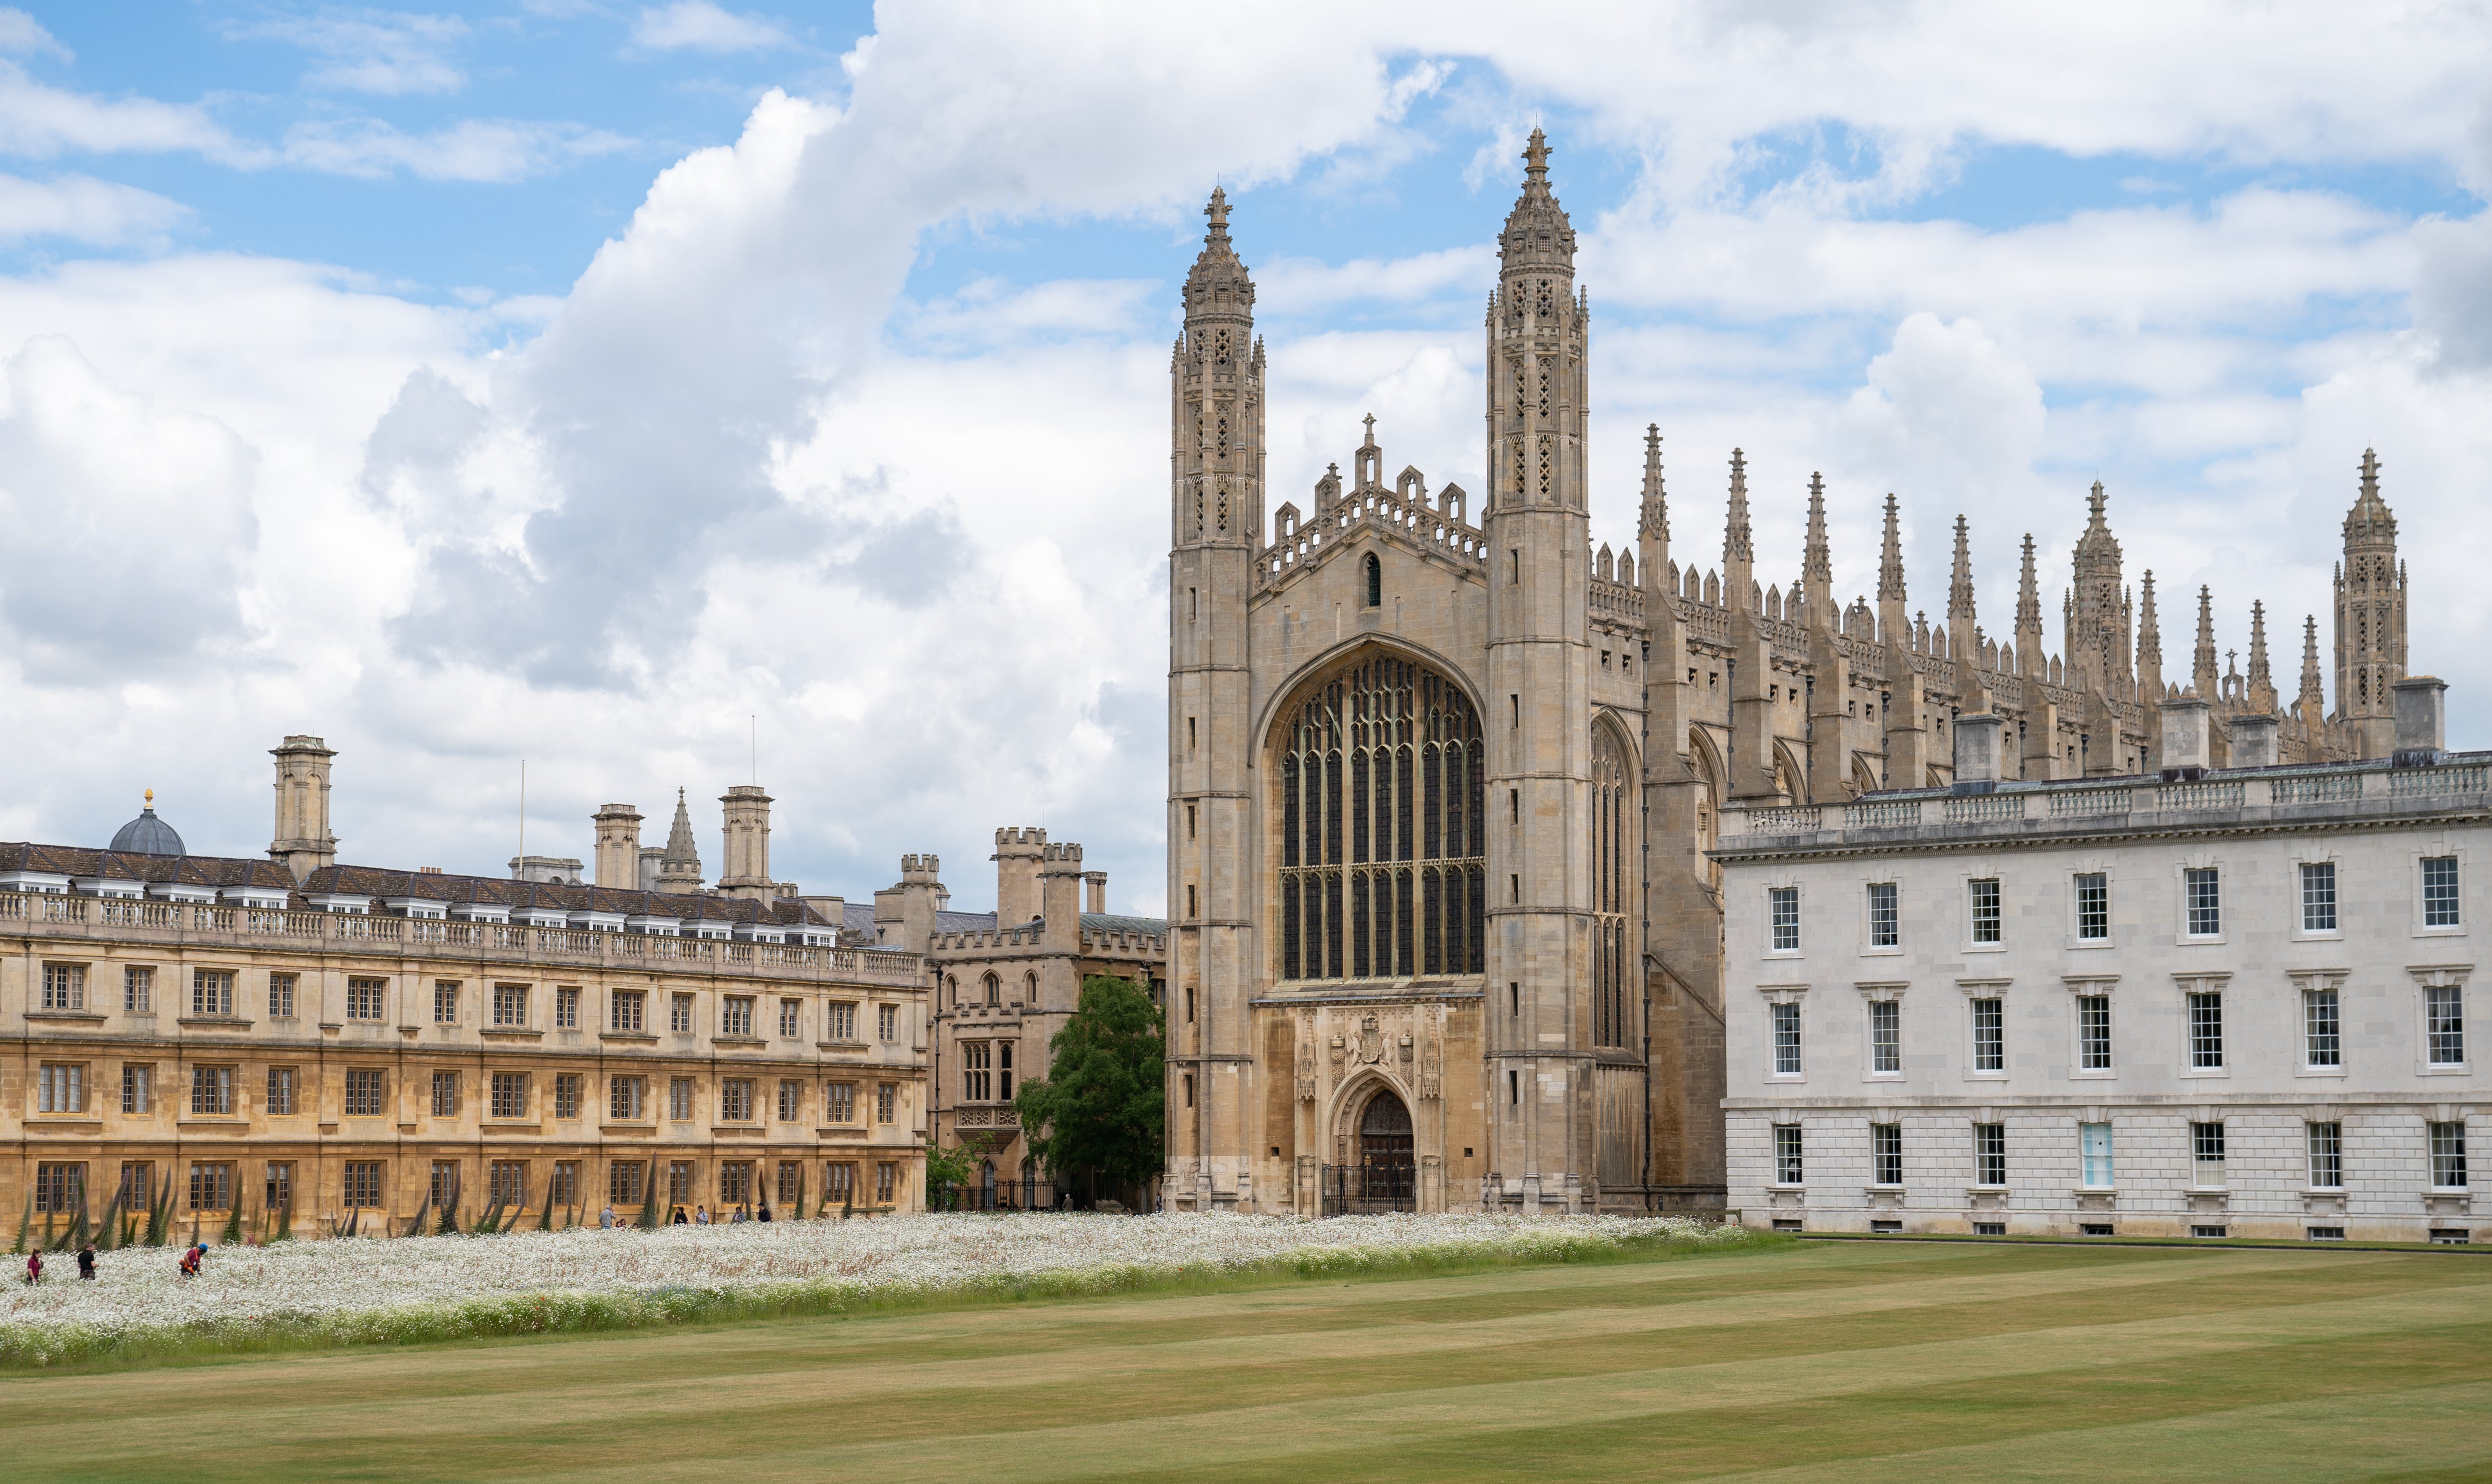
(1839, 1362)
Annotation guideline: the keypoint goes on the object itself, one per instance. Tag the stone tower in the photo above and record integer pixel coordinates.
(303, 843)
(1540, 1052)
(618, 847)
(1216, 521)
(679, 870)
(2370, 619)
(2097, 640)
(744, 869)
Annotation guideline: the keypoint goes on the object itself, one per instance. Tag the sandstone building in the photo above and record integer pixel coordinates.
(359, 1045)
(2208, 1002)
(1443, 775)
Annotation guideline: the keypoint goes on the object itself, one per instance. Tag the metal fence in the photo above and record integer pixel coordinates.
(1368, 1188)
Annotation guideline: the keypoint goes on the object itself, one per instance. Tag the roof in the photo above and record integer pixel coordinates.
(1111, 921)
(147, 835)
(966, 922)
(137, 866)
(497, 891)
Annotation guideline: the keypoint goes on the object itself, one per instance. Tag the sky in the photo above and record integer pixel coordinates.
(675, 394)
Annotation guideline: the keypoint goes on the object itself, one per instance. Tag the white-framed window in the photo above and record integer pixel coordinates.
(281, 997)
(137, 1089)
(1784, 1017)
(1885, 926)
(361, 1186)
(2443, 1025)
(2093, 1032)
(2323, 1040)
(2093, 1142)
(1989, 1033)
(63, 1088)
(887, 1101)
(2205, 1029)
(679, 1014)
(2327, 1143)
(2094, 907)
(735, 1103)
(1886, 1037)
(212, 992)
(1990, 1154)
(626, 1097)
(1790, 1166)
(566, 1007)
(1782, 918)
(679, 1098)
(2448, 1156)
(64, 987)
(2206, 1154)
(2440, 908)
(445, 1093)
(445, 1001)
(1886, 1153)
(2318, 896)
(139, 988)
(280, 1091)
(2202, 902)
(1983, 900)
(791, 1100)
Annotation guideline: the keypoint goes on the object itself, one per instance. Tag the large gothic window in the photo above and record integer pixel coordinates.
(1614, 862)
(1384, 860)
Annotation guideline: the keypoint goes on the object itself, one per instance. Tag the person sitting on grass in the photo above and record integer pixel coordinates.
(35, 1267)
(191, 1259)
(680, 1219)
(86, 1263)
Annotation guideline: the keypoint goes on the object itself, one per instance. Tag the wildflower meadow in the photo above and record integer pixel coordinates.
(362, 1292)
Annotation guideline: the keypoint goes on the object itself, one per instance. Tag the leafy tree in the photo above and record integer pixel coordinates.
(953, 1170)
(1101, 1110)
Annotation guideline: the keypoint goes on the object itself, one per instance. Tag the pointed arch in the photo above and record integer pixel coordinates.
(1617, 854)
(1374, 570)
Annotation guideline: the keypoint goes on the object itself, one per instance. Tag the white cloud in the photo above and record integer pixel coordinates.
(698, 26)
(39, 121)
(392, 54)
(469, 150)
(83, 209)
(21, 33)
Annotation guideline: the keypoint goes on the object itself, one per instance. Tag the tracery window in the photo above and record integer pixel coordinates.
(1614, 854)
(1383, 863)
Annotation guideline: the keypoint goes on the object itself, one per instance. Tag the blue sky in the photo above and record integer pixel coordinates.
(578, 381)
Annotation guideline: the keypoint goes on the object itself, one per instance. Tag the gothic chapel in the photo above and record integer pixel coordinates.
(1443, 933)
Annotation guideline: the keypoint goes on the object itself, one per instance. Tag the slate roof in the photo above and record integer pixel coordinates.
(134, 866)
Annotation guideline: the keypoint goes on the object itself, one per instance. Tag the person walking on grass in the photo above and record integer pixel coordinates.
(86, 1263)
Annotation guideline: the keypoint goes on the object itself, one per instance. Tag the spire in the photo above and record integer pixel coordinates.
(2029, 615)
(2370, 618)
(2312, 702)
(1817, 562)
(1736, 546)
(1652, 525)
(2201, 666)
(1960, 578)
(2150, 633)
(2261, 683)
(1537, 235)
(679, 870)
(1216, 388)
(1218, 212)
(1891, 627)
(2096, 643)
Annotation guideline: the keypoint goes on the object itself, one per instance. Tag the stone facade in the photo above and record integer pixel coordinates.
(2204, 1001)
(1004, 983)
(1606, 704)
(367, 1045)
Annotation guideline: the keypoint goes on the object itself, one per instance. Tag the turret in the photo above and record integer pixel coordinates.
(904, 915)
(618, 847)
(1017, 857)
(2370, 619)
(679, 870)
(303, 843)
(2096, 645)
(745, 871)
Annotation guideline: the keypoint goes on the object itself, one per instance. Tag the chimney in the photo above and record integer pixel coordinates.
(746, 870)
(303, 843)
(2254, 741)
(2185, 750)
(653, 863)
(2422, 720)
(1016, 858)
(1094, 891)
(1977, 753)
(618, 847)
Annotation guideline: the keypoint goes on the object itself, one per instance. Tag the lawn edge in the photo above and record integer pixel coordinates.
(61, 1350)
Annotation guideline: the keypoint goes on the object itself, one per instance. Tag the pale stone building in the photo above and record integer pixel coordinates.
(2207, 1002)
(1004, 983)
(1442, 788)
(363, 1046)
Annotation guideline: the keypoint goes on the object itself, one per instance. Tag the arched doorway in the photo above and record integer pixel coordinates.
(1386, 1168)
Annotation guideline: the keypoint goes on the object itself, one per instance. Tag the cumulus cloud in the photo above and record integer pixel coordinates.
(698, 26)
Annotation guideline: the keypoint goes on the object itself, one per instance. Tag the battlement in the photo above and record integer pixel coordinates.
(1061, 858)
(920, 868)
(1019, 840)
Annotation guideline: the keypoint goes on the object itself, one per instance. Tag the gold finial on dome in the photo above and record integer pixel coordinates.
(150, 798)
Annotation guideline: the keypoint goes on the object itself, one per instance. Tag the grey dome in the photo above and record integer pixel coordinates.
(148, 835)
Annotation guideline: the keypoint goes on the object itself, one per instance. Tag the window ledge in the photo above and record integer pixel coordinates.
(2446, 1191)
(2443, 1069)
(634, 1037)
(2093, 1074)
(737, 1041)
(1779, 1185)
(840, 1046)
(491, 1127)
(88, 1017)
(2208, 1072)
(509, 1033)
(213, 1022)
(641, 1129)
(234, 1123)
(77, 1120)
(2320, 1072)
(2094, 1190)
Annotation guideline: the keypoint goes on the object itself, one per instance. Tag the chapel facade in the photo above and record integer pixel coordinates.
(1443, 927)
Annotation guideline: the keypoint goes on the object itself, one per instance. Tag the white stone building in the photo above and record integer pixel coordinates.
(2206, 1001)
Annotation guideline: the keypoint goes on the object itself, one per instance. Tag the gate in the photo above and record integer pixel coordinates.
(1369, 1188)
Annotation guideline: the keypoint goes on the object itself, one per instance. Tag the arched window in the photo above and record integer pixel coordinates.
(952, 983)
(1614, 859)
(995, 991)
(1030, 990)
(1375, 582)
(1383, 855)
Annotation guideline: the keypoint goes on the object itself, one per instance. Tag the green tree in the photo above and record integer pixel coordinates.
(1101, 1110)
(949, 1172)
